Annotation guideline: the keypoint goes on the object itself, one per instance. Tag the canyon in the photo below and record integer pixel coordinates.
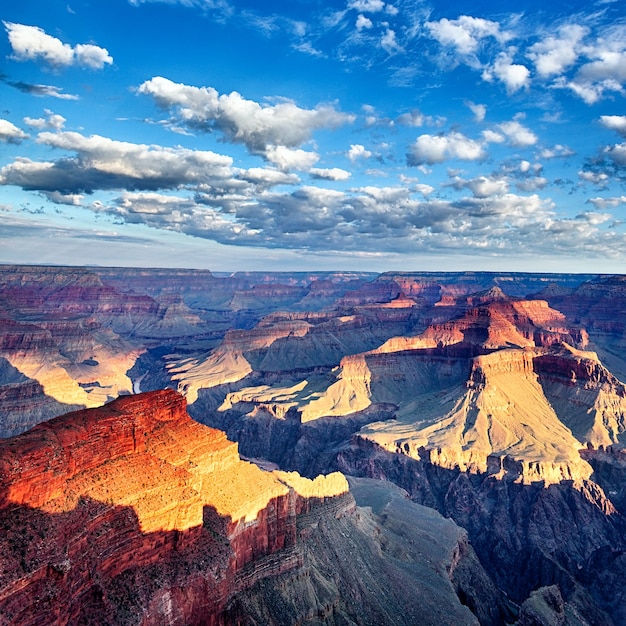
(407, 448)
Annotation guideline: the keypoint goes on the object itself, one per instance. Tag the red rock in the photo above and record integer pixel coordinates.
(133, 509)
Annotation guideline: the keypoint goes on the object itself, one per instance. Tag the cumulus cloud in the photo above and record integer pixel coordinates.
(9, 133)
(553, 55)
(332, 173)
(367, 6)
(600, 179)
(602, 204)
(388, 42)
(604, 73)
(414, 118)
(479, 111)
(102, 163)
(617, 154)
(556, 151)
(517, 134)
(514, 75)
(491, 136)
(255, 125)
(483, 186)
(430, 149)
(465, 33)
(357, 151)
(31, 43)
(532, 184)
(289, 158)
(363, 22)
(615, 122)
(52, 120)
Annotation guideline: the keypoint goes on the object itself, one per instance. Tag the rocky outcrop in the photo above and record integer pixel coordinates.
(132, 513)
(526, 536)
(101, 495)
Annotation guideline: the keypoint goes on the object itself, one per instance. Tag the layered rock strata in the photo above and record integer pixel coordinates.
(132, 513)
(94, 502)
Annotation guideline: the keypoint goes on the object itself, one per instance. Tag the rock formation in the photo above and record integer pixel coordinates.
(496, 399)
(134, 514)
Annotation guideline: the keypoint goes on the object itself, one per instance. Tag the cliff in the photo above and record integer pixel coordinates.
(132, 513)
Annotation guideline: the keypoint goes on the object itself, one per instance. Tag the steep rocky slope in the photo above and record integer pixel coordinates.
(134, 514)
(504, 411)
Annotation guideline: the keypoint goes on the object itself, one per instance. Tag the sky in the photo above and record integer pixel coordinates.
(314, 135)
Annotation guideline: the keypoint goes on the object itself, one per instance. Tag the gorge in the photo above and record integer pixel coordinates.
(184, 447)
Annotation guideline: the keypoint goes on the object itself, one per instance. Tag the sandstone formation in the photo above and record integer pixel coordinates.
(496, 399)
(134, 514)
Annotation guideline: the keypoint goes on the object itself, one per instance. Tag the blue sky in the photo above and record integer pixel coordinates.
(344, 134)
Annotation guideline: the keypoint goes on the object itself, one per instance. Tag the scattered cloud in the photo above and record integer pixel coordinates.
(31, 43)
(9, 133)
(363, 22)
(517, 134)
(555, 54)
(601, 204)
(614, 122)
(332, 173)
(357, 151)
(556, 151)
(465, 33)
(514, 75)
(257, 126)
(367, 6)
(479, 111)
(41, 91)
(52, 120)
(388, 42)
(431, 149)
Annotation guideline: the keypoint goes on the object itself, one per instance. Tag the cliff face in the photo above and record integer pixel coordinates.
(132, 513)
(95, 499)
(80, 337)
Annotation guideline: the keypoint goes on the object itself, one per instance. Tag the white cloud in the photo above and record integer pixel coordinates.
(71, 199)
(556, 151)
(599, 179)
(432, 149)
(617, 153)
(290, 158)
(517, 134)
(483, 187)
(53, 120)
(513, 75)
(491, 136)
(465, 33)
(602, 204)
(363, 22)
(243, 121)
(367, 6)
(614, 122)
(333, 173)
(605, 73)
(595, 219)
(388, 42)
(553, 55)
(102, 163)
(414, 118)
(357, 151)
(531, 184)
(479, 111)
(31, 43)
(9, 133)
